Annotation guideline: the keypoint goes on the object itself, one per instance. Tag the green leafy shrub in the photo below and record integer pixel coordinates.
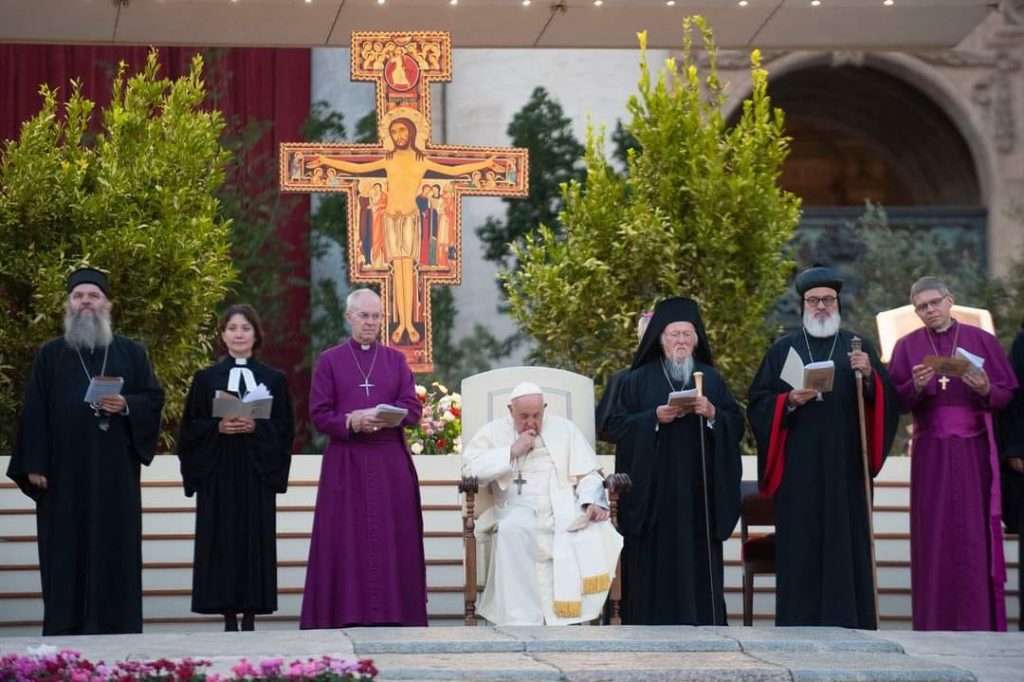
(134, 196)
(699, 214)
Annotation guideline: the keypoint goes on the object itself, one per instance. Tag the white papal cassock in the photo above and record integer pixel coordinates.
(538, 571)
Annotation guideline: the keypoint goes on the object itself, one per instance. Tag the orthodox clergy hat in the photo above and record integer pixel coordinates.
(671, 310)
(89, 276)
(818, 276)
(525, 388)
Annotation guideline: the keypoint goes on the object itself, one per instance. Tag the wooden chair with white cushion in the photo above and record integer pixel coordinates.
(485, 397)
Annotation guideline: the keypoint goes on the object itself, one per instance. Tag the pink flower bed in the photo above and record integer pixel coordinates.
(48, 664)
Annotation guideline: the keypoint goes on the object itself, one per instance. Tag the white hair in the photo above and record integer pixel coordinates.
(356, 294)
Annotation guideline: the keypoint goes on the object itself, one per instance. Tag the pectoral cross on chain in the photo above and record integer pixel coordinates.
(519, 481)
(367, 385)
(944, 381)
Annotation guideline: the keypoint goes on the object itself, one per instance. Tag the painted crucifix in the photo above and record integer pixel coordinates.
(404, 193)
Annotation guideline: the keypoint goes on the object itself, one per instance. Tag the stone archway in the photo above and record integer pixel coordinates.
(860, 134)
(884, 129)
(927, 81)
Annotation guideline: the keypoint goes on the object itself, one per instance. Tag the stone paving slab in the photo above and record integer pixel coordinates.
(984, 669)
(806, 639)
(456, 667)
(622, 638)
(942, 643)
(990, 656)
(868, 667)
(455, 640)
(659, 666)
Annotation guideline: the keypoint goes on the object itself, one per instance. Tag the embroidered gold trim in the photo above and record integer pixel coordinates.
(596, 583)
(568, 609)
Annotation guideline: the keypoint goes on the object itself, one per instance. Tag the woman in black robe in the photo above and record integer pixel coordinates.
(237, 466)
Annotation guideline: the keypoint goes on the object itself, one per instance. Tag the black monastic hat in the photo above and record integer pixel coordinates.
(671, 310)
(818, 276)
(89, 276)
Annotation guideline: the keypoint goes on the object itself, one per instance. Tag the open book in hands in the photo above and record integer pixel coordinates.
(816, 375)
(256, 404)
(389, 414)
(953, 367)
(961, 363)
(686, 399)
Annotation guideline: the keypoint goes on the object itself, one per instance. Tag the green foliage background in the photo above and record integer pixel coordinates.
(890, 260)
(699, 214)
(542, 127)
(135, 199)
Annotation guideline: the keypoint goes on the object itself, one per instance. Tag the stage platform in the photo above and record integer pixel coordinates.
(591, 653)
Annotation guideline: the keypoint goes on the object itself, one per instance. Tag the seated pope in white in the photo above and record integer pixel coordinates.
(544, 511)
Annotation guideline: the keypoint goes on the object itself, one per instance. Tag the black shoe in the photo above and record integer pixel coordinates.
(248, 621)
(230, 622)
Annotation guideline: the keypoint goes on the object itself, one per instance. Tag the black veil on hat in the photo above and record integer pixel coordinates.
(677, 309)
(89, 276)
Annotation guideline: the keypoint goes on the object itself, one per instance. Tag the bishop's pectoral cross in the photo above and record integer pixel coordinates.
(367, 385)
(404, 194)
(519, 481)
(944, 381)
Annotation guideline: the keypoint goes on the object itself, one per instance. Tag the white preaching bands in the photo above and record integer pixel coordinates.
(238, 374)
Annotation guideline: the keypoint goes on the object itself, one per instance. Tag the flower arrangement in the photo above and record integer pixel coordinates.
(439, 431)
(46, 663)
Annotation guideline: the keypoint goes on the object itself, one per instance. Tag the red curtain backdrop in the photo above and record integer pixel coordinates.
(261, 84)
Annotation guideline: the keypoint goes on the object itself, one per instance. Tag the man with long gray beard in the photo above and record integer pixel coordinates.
(810, 459)
(80, 462)
(684, 462)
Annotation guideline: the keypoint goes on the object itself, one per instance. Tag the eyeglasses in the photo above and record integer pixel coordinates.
(814, 301)
(925, 305)
(368, 317)
(676, 336)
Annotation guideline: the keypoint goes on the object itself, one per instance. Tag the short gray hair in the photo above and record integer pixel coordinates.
(358, 293)
(929, 283)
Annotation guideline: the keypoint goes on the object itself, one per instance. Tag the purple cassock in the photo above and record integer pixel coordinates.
(957, 569)
(366, 564)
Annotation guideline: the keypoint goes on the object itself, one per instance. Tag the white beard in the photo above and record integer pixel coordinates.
(822, 329)
(92, 331)
(680, 370)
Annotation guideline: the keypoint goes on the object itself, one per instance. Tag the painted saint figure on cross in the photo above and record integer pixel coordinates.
(404, 208)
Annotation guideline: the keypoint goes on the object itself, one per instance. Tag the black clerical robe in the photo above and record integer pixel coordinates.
(810, 459)
(1011, 437)
(235, 479)
(89, 518)
(603, 411)
(671, 568)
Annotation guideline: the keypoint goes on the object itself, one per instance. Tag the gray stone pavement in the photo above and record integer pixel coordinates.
(586, 654)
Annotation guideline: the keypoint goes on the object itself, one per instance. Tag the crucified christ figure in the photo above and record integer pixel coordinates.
(405, 168)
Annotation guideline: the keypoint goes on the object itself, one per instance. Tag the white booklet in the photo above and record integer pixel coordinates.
(686, 398)
(256, 404)
(389, 414)
(977, 362)
(100, 386)
(816, 375)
